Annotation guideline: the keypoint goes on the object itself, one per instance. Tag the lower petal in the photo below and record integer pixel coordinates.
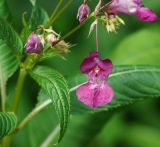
(85, 94)
(104, 95)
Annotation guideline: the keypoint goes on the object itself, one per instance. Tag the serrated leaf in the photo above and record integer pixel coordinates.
(4, 13)
(8, 61)
(130, 83)
(56, 87)
(10, 37)
(8, 122)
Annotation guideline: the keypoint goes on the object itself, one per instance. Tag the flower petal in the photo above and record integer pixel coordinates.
(85, 94)
(103, 96)
(89, 62)
(146, 14)
(106, 65)
(95, 95)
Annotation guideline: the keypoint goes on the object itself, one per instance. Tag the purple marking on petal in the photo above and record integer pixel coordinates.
(146, 14)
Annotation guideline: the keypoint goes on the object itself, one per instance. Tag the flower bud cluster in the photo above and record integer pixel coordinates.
(47, 41)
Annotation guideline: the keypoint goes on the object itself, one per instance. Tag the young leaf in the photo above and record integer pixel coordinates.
(8, 122)
(56, 87)
(130, 84)
(10, 37)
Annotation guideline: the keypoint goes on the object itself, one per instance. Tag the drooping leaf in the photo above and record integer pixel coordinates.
(10, 37)
(4, 13)
(56, 87)
(130, 84)
(8, 123)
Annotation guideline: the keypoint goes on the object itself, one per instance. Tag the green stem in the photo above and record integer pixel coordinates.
(35, 111)
(62, 10)
(77, 27)
(18, 90)
(53, 14)
(50, 137)
(2, 89)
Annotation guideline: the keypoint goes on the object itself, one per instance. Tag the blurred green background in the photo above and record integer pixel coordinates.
(135, 43)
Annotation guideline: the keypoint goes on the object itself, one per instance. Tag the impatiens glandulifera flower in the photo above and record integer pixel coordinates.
(34, 44)
(83, 12)
(132, 7)
(96, 92)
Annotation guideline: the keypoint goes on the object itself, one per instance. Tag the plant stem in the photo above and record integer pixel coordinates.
(2, 89)
(35, 111)
(60, 12)
(50, 137)
(77, 27)
(18, 90)
(97, 41)
(53, 14)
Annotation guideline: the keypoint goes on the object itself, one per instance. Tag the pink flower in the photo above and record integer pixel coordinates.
(83, 12)
(96, 91)
(132, 7)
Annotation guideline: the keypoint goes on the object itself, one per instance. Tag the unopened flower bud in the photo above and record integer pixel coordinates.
(63, 47)
(52, 39)
(34, 44)
(83, 12)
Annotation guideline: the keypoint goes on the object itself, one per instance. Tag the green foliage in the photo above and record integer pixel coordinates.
(56, 87)
(141, 47)
(130, 83)
(38, 17)
(4, 13)
(8, 61)
(10, 37)
(8, 123)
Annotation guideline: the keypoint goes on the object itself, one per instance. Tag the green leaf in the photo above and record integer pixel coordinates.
(10, 37)
(56, 87)
(130, 84)
(8, 123)
(4, 13)
(83, 129)
(38, 17)
(33, 2)
(8, 61)
(138, 48)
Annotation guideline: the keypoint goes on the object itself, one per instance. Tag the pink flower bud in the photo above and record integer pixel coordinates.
(83, 12)
(52, 39)
(34, 44)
